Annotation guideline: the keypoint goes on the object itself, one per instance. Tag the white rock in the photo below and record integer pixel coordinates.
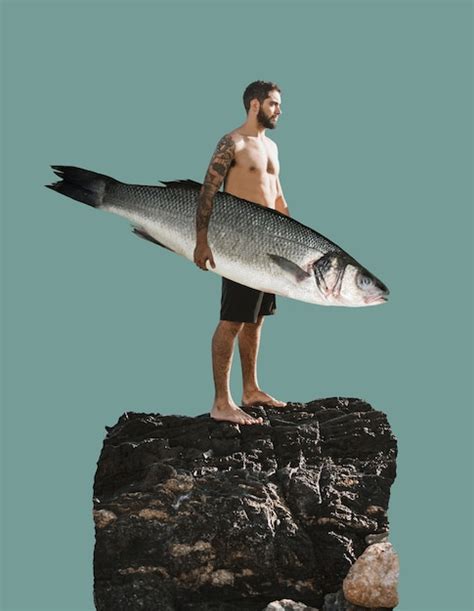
(288, 605)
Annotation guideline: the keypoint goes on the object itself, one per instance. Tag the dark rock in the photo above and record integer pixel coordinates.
(337, 602)
(195, 515)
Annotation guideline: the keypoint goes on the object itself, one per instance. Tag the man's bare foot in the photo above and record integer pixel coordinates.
(230, 412)
(259, 397)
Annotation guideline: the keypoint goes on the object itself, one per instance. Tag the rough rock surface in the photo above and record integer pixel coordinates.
(197, 515)
(372, 580)
(337, 602)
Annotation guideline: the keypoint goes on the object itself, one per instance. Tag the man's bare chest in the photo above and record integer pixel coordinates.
(258, 158)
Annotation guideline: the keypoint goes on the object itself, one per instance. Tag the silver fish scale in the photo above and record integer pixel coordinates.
(236, 225)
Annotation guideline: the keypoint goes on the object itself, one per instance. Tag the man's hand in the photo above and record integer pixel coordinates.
(203, 254)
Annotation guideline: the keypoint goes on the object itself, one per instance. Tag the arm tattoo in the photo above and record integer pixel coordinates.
(216, 172)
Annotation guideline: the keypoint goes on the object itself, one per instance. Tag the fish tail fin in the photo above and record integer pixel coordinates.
(82, 185)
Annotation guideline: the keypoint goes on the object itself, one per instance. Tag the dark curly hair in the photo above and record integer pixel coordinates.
(258, 90)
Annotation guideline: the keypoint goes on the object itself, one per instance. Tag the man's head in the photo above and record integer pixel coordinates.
(262, 98)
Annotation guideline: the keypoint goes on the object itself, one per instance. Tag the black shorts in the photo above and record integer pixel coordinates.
(240, 303)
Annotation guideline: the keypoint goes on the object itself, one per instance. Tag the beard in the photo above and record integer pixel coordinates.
(265, 120)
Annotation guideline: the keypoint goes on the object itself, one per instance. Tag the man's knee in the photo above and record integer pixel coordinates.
(229, 327)
(252, 326)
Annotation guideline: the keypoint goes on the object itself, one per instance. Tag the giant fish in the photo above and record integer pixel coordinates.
(253, 245)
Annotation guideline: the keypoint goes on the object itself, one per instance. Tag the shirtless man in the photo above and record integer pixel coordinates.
(246, 161)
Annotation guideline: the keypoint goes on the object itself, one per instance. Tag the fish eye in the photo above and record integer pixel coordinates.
(365, 281)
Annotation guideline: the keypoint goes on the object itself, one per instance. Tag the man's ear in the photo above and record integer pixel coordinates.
(255, 105)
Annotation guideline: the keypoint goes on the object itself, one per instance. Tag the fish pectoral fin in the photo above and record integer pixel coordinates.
(141, 233)
(292, 268)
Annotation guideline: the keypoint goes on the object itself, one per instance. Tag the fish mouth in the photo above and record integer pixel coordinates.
(375, 300)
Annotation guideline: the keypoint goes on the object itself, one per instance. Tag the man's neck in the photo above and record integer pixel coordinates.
(252, 128)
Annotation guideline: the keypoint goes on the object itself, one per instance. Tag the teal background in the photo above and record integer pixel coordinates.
(375, 145)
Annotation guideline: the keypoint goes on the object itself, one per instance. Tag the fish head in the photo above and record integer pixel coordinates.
(361, 288)
(343, 282)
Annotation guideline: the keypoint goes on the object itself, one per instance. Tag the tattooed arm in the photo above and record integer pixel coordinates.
(216, 172)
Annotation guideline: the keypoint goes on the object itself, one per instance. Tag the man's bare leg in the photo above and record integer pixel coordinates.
(224, 407)
(249, 343)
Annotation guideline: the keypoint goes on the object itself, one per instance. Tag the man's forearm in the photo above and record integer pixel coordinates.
(215, 176)
(203, 213)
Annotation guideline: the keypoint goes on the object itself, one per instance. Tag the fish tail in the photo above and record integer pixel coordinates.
(82, 185)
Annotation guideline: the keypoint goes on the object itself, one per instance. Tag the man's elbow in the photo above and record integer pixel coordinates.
(282, 207)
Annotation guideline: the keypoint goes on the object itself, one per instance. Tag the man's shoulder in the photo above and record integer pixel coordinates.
(230, 139)
(271, 142)
(235, 136)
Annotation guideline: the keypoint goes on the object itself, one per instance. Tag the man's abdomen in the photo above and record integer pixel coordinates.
(260, 190)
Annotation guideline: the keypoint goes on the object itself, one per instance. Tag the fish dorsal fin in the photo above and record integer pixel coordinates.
(182, 184)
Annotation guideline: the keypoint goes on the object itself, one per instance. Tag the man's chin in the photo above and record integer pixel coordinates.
(268, 124)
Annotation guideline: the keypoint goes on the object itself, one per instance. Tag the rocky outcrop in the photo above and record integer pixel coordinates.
(194, 514)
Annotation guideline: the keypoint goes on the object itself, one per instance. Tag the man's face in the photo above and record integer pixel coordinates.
(270, 110)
